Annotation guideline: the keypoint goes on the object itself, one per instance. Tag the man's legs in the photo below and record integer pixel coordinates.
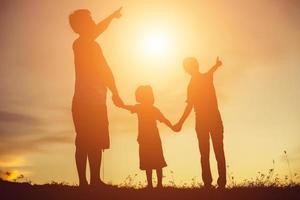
(95, 157)
(203, 140)
(217, 140)
(81, 158)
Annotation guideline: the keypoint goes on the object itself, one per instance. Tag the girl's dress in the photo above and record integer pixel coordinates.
(150, 148)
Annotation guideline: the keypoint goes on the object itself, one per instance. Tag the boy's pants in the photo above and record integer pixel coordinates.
(205, 128)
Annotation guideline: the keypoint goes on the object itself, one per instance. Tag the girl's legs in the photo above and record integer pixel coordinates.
(159, 177)
(149, 178)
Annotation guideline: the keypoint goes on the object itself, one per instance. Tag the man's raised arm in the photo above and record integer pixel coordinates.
(102, 26)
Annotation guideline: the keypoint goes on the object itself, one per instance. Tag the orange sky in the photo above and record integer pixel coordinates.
(257, 87)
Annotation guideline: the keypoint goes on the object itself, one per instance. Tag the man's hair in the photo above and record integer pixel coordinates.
(144, 94)
(77, 18)
(189, 63)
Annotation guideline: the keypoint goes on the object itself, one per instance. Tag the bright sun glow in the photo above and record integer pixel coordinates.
(156, 44)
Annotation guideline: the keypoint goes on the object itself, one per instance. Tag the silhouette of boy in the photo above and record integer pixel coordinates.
(93, 77)
(150, 148)
(202, 96)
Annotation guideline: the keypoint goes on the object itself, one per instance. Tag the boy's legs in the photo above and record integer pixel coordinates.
(217, 140)
(81, 158)
(95, 157)
(149, 178)
(159, 177)
(203, 141)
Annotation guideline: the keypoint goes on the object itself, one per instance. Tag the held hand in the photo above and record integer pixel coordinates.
(117, 101)
(218, 62)
(177, 127)
(174, 129)
(117, 13)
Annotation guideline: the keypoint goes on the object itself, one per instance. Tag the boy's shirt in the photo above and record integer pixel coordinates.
(201, 93)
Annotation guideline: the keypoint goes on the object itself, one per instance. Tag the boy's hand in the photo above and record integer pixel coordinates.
(218, 62)
(117, 101)
(117, 13)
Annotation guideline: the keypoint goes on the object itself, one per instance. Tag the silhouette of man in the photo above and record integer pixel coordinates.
(202, 96)
(93, 77)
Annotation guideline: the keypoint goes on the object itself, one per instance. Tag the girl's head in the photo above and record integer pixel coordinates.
(144, 95)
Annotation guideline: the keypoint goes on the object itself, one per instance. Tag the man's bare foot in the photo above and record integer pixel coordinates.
(83, 185)
(149, 186)
(98, 183)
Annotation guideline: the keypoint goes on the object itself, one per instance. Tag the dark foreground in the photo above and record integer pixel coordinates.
(24, 191)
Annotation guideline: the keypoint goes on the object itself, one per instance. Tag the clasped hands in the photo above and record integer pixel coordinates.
(119, 103)
(177, 127)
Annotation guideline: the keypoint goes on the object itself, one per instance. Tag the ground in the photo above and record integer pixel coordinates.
(24, 191)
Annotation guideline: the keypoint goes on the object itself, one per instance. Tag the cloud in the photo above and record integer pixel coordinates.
(54, 139)
(13, 147)
(10, 175)
(13, 124)
(22, 134)
(16, 117)
(13, 154)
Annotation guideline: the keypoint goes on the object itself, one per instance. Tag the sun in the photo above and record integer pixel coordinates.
(155, 47)
(156, 44)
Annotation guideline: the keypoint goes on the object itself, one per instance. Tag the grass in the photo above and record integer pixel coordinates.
(24, 191)
(265, 186)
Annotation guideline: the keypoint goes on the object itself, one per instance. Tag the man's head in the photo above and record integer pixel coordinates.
(191, 65)
(82, 22)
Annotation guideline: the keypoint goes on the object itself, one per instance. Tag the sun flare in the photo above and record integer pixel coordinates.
(156, 44)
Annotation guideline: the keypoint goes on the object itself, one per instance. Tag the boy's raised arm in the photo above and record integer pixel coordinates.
(216, 66)
(102, 26)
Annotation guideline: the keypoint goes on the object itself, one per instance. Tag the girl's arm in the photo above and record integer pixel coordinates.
(130, 108)
(164, 120)
(168, 123)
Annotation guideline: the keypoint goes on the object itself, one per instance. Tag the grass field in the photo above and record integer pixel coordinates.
(24, 191)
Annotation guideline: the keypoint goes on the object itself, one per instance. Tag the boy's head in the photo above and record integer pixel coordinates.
(144, 95)
(191, 65)
(82, 22)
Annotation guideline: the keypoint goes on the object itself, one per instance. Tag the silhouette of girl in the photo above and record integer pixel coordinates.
(150, 148)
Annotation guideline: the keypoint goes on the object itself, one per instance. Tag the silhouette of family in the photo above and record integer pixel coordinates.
(89, 111)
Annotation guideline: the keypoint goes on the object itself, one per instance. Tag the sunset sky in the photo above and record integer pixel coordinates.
(258, 86)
